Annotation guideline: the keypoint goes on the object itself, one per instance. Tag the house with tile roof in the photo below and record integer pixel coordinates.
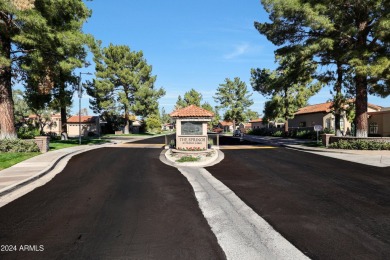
(379, 123)
(321, 114)
(227, 126)
(257, 123)
(89, 124)
(244, 127)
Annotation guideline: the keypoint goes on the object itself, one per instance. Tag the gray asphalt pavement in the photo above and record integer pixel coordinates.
(18, 180)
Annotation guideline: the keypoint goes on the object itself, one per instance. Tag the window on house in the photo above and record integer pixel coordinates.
(328, 123)
(373, 128)
(302, 124)
(342, 124)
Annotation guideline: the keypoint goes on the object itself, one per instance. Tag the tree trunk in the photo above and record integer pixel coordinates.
(361, 104)
(337, 103)
(7, 119)
(286, 126)
(127, 124)
(64, 131)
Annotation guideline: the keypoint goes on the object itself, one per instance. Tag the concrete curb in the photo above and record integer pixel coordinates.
(40, 174)
(7, 190)
(212, 161)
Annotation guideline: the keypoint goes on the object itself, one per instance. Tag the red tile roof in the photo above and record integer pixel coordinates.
(191, 111)
(259, 120)
(324, 107)
(226, 123)
(84, 119)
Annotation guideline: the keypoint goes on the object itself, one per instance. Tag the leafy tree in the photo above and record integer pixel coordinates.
(235, 98)
(215, 120)
(290, 87)
(191, 97)
(21, 109)
(165, 118)
(251, 115)
(49, 70)
(153, 123)
(37, 38)
(355, 33)
(17, 18)
(123, 80)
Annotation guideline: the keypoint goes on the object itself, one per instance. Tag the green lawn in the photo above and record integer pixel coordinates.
(60, 144)
(9, 159)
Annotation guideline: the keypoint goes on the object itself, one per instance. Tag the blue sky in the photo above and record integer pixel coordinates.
(190, 44)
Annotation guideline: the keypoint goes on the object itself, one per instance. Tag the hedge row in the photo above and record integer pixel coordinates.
(18, 146)
(360, 145)
(277, 132)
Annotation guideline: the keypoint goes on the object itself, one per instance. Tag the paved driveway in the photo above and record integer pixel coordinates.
(328, 208)
(110, 203)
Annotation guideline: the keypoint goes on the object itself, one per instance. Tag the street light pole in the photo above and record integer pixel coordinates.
(80, 93)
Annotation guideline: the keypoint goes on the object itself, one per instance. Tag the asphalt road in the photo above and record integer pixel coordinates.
(123, 203)
(109, 203)
(327, 208)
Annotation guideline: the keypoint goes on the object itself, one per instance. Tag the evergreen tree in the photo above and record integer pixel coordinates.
(123, 80)
(356, 33)
(290, 86)
(59, 51)
(165, 118)
(235, 98)
(43, 40)
(191, 97)
(18, 22)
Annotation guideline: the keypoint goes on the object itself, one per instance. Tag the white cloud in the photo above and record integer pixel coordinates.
(238, 51)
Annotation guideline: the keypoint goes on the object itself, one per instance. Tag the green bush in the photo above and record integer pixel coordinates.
(188, 159)
(277, 134)
(360, 145)
(27, 132)
(18, 146)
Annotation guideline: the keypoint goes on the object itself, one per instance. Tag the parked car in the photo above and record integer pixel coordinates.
(237, 133)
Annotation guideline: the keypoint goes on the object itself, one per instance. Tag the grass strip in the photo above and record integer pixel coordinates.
(9, 159)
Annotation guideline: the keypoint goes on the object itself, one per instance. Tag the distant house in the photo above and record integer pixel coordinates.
(227, 126)
(168, 127)
(89, 124)
(52, 126)
(379, 123)
(321, 114)
(244, 127)
(257, 123)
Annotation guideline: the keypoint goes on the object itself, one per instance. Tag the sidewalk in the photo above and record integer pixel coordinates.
(367, 157)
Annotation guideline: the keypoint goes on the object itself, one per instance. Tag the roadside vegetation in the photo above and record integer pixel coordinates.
(188, 159)
(360, 145)
(60, 144)
(15, 151)
(278, 132)
(9, 159)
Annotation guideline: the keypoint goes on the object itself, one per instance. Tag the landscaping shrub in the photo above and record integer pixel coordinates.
(188, 159)
(27, 132)
(360, 145)
(277, 134)
(18, 146)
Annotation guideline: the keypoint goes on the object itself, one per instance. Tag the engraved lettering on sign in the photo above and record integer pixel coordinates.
(191, 128)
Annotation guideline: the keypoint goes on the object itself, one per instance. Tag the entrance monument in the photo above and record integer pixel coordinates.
(191, 128)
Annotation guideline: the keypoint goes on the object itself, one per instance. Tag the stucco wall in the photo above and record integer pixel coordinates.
(383, 120)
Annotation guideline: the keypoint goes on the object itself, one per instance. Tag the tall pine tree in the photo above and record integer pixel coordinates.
(124, 80)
